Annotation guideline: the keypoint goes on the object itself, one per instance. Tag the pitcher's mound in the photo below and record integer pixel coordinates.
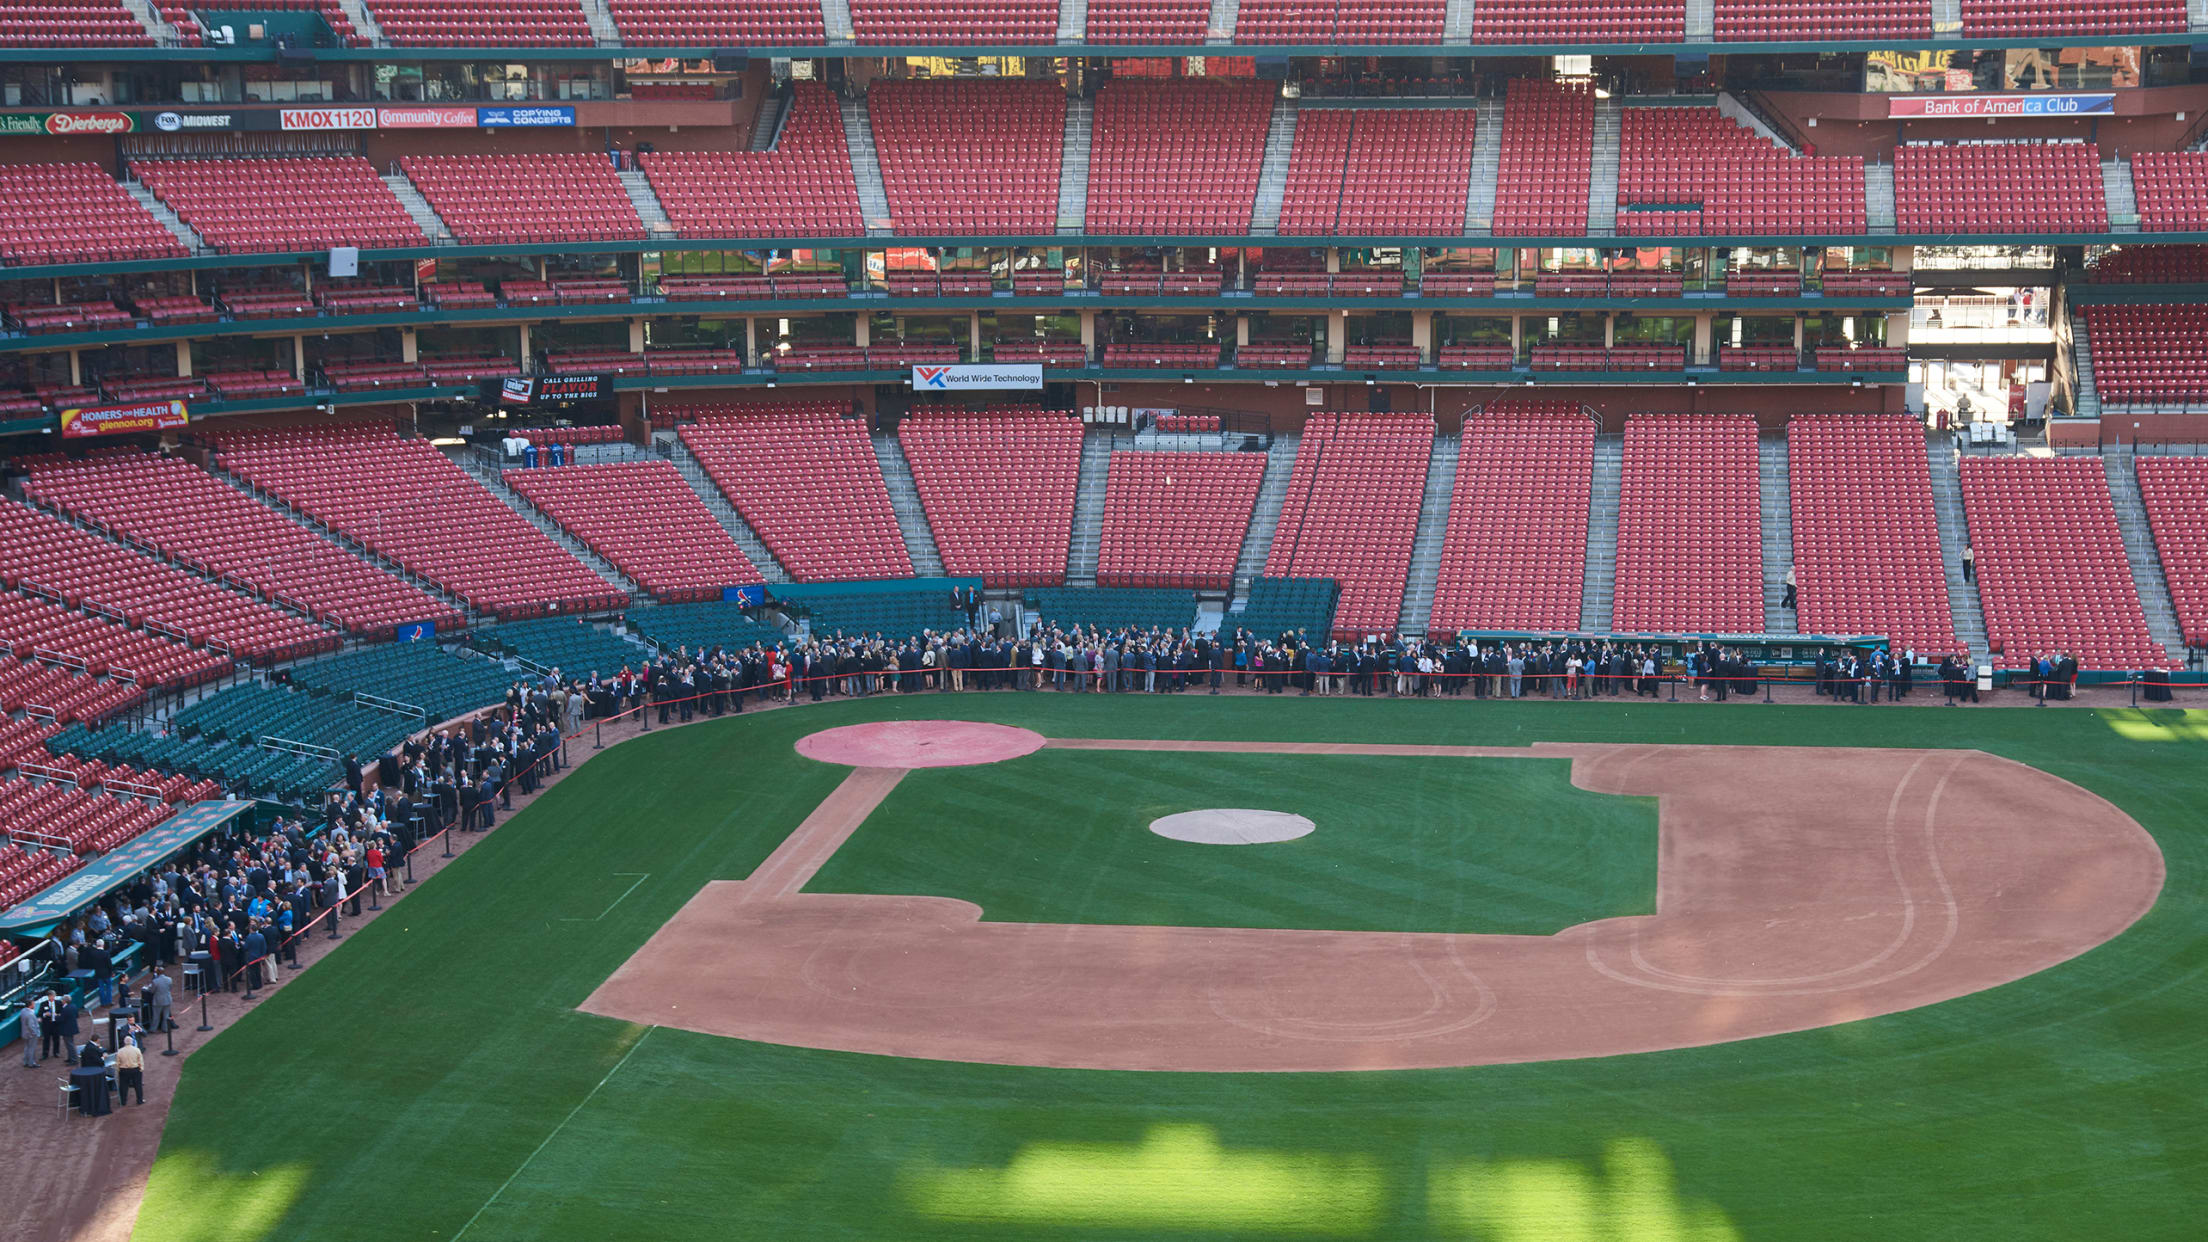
(1232, 826)
(919, 744)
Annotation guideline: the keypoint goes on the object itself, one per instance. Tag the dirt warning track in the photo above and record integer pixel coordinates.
(1797, 888)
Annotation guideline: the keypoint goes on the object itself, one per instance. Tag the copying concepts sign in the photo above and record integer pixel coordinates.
(977, 376)
(563, 114)
(2000, 105)
(115, 420)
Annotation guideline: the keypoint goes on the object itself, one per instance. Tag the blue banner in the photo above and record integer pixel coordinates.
(560, 114)
(414, 632)
(744, 596)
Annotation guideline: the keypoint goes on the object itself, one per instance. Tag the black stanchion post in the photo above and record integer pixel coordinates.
(168, 1032)
(447, 835)
(204, 1024)
(252, 969)
(2135, 689)
(598, 735)
(1767, 689)
(1674, 688)
(410, 866)
(373, 885)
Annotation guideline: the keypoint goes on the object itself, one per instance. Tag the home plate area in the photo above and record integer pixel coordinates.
(1936, 874)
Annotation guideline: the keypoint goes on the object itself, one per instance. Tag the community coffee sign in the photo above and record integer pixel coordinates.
(116, 420)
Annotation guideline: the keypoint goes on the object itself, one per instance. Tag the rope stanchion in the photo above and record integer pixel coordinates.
(204, 1024)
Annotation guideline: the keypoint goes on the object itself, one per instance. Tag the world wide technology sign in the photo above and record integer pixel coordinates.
(2000, 105)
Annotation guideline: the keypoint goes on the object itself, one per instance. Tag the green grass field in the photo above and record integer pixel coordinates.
(434, 1081)
(1450, 845)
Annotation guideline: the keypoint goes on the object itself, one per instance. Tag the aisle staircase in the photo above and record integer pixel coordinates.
(1878, 197)
(835, 17)
(766, 127)
(1701, 21)
(654, 216)
(866, 166)
(356, 12)
(1433, 526)
(1947, 506)
(693, 473)
(2139, 549)
(2085, 401)
(432, 225)
(1073, 167)
(1487, 164)
(1456, 22)
(1073, 21)
(169, 219)
(1602, 533)
(1272, 493)
(1088, 508)
(1778, 533)
(904, 497)
(1220, 29)
(602, 27)
(2123, 201)
(494, 481)
(1602, 178)
(1272, 176)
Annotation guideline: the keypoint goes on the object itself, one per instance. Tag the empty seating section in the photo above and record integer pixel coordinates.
(1287, 606)
(2071, 18)
(805, 477)
(702, 627)
(1866, 540)
(1378, 170)
(1690, 527)
(954, 21)
(1176, 519)
(517, 198)
(1176, 157)
(25, 871)
(970, 156)
(804, 187)
(406, 502)
(1148, 21)
(1548, 154)
(282, 204)
(2172, 189)
(1693, 171)
(641, 516)
(2176, 493)
(1351, 512)
(2151, 265)
(1515, 552)
(75, 213)
(43, 555)
(2149, 354)
(1742, 20)
(61, 814)
(196, 520)
(1329, 21)
(998, 489)
(53, 692)
(495, 23)
(444, 684)
(2010, 187)
(102, 316)
(1106, 609)
(71, 23)
(43, 629)
(1570, 21)
(2052, 572)
(572, 646)
(716, 23)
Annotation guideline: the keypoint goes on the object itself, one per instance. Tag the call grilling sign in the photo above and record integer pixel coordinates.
(117, 420)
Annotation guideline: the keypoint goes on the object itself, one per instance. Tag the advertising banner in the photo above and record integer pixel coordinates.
(426, 116)
(2000, 105)
(744, 596)
(116, 420)
(326, 118)
(531, 389)
(68, 123)
(562, 114)
(414, 631)
(180, 122)
(977, 376)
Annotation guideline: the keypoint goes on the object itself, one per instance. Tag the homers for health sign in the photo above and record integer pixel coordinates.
(116, 420)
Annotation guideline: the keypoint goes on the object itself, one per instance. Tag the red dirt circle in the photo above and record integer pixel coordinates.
(919, 744)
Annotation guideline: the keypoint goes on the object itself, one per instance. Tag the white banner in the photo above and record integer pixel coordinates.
(977, 376)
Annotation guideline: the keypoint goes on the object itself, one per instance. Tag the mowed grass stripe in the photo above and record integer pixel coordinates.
(388, 1092)
(1401, 844)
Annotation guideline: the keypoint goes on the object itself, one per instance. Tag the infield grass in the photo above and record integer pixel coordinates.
(434, 1080)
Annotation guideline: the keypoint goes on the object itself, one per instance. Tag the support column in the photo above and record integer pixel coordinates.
(1241, 331)
(1088, 334)
(1422, 334)
(864, 330)
(1333, 260)
(527, 347)
(299, 358)
(184, 359)
(973, 336)
(1705, 332)
(1897, 330)
(76, 368)
(1609, 330)
(751, 341)
(410, 345)
(1797, 334)
(636, 336)
(1517, 338)
(1337, 335)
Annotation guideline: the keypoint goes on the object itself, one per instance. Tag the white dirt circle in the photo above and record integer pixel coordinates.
(1232, 826)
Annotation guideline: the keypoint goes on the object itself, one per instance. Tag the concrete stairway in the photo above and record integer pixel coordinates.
(1073, 167)
(600, 18)
(1947, 506)
(2196, 16)
(766, 127)
(1878, 197)
(1701, 21)
(2086, 401)
(1280, 462)
(1088, 507)
(417, 206)
(151, 19)
(1487, 163)
(1456, 22)
(654, 216)
(1433, 524)
(1073, 21)
(2139, 549)
(494, 481)
(866, 166)
(356, 11)
(836, 18)
(1272, 176)
(1947, 17)
(693, 473)
(2123, 201)
(1220, 29)
(904, 497)
(433, 590)
(1778, 533)
(168, 218)
(1602, 180)
(1601, 579)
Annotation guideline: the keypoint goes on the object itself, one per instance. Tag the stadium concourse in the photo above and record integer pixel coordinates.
(389, 390)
